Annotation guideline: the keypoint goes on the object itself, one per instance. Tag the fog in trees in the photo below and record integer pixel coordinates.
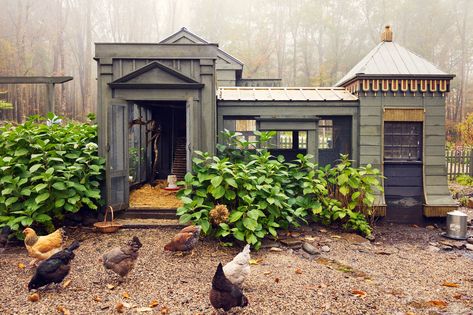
(304, 42)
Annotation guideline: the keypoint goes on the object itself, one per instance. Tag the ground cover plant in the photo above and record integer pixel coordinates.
(263, 193)
(47, 168)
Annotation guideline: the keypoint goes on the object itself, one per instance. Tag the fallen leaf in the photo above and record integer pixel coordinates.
(66, 283)
(359, 293)
(119, 307)
(323, 230)
(415, 225)
(127, 305)
(97, 299)
(164, 310)
(276, 280)
(126, 295)
(21, 265)
(144, 309)
(298, 271)
(458, 296)
(256, 261)
(33, 297)
(110, 286)
(438, 303)
(336, 236)
(267, 273)
(153, 303)
(451, 284)
(410, 313)
(275, 249)
(62, 310)
(311, 287)
(309, 238)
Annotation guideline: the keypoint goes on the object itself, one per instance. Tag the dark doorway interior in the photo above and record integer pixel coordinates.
(403, 171)
(157, 141)
(171, 119)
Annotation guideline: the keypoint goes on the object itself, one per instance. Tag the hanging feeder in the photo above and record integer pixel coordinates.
(108, 226)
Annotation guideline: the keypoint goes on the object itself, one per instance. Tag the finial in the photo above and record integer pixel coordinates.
(387, 34)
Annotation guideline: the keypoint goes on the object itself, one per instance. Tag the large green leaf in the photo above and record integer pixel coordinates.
(250, 223)
(42, 197)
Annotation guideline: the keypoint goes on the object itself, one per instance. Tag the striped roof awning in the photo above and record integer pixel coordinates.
(285, 94)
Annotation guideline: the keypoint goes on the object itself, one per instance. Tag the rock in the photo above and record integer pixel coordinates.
(470, 240)
(469, 246)
(325, 248)
(294, 243)
(470, 202)
(433, 249)
(308, 248)
(354, 238)
(446, 248)
(452, 243)
(323, 231)
(269, 243)
(430, 227)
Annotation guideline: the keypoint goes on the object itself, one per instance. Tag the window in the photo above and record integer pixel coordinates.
(246, 128)
(325, 134)
(302, 139)
(403, 141)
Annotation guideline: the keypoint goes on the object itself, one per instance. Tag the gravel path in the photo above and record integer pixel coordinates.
(396, 274)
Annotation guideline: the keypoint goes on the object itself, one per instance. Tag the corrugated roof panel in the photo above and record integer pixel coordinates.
(289, 94)
(389, 58)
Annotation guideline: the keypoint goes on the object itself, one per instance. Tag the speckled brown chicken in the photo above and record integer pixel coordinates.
(185, 240)
(121, 260)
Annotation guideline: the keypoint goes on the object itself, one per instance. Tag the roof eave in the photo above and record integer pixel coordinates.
(395, 76)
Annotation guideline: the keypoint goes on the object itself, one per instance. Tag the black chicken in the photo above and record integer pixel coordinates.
(6, 230)
(54, 269)
(225, 294)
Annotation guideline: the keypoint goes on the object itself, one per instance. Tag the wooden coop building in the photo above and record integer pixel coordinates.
(160, 102)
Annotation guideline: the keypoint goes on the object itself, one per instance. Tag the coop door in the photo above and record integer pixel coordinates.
(189, 134)
(117, 162)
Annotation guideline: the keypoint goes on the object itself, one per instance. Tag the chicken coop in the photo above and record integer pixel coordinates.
(159, 102)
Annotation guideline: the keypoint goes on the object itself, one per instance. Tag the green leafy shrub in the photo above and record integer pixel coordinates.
(465, 180)
(46, 170)
(264, 193)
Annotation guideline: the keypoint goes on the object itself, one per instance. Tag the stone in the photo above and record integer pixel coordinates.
(325, 248)
(323, 231)
(430, 227)
(294, 243)
(470, 202)
(446, 248)
(354, 238)
(469, 246)
(433, 249)
(308, 248)
(267, 243)
(452, 243)
(470, 239)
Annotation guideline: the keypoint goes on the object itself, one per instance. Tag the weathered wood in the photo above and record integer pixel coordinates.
(34, 80)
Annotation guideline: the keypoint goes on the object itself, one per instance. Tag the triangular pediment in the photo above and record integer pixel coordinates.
(184, 36)
(155, 75)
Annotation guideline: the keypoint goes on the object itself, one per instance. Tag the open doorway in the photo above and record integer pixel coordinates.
(157, 149)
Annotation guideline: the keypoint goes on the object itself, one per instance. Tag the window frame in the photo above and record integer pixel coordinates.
(405, 137)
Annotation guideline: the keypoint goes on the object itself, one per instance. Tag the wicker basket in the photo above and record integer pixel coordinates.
(107, 226)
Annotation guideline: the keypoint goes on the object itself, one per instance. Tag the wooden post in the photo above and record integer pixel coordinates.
(50, 91)
(470, 170)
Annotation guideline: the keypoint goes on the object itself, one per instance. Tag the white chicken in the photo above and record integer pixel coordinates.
(239, 268)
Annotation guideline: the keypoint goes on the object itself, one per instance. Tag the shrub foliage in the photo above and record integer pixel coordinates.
(46, 170)
(264, 193)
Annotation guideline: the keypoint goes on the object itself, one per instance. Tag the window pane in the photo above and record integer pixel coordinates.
(282, 140)
(326, 134)
(302, 139)
(403, 141)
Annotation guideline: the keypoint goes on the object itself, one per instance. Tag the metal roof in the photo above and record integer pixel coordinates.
(319, 94)
(390, 58)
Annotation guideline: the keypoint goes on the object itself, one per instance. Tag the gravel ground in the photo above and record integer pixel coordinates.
(395, 274)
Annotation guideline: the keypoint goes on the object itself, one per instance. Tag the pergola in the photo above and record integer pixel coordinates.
(50, 82)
